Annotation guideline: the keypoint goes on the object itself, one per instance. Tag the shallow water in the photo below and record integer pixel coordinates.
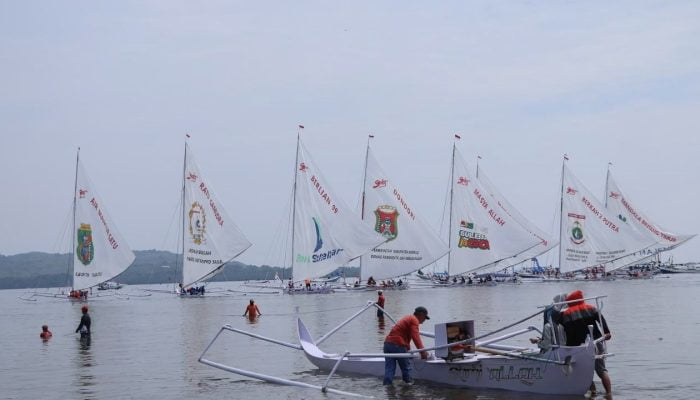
(148, 346)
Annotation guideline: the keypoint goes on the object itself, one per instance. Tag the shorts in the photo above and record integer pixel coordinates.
(600, 362)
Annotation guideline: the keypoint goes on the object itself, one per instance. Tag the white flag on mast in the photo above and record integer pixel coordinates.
(411, 244)
(211, 238)
(620, 206)
(327, 234)
(482, 233)
(100, 252)
(590, 234)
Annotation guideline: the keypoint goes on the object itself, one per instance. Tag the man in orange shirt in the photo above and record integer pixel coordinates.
(399, 341)
(45, 332)
(252, 311)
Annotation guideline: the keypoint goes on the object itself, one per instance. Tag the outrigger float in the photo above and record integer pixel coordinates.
(562, 370)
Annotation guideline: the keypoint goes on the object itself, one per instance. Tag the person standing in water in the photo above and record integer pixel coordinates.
(45, 332)
(380, 303)
(85, 322)
(252, 310)
(399, 341)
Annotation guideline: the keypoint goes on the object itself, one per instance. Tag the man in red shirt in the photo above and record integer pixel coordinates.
(399, 341)
(380, 303)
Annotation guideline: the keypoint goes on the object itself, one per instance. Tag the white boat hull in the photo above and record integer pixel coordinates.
(481, 371)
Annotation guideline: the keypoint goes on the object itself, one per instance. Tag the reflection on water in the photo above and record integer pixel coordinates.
(85, 378)
(380, 324)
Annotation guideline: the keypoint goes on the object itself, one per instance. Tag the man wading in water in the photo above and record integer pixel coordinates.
(399, 341)
(84, 327)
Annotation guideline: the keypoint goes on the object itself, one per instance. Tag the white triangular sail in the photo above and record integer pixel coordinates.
(546, 241)
(211, 238)
(620, 206)
(481, 233)
(411, 244)
(100, 252)
(327, 233)
(590, 234)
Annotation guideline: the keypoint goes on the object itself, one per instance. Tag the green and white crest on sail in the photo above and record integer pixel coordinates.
(86, 249)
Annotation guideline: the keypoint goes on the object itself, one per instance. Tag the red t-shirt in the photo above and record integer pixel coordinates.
(380, 301)
(45, 335)
(404, 331)
(252, 310)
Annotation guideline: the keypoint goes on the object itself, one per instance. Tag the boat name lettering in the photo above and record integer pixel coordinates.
(492, 213)
(318, 257)
(466, 373)
(606, 222)
(214, 209)
(404, 204)
(481, 198)
(322, 192)
(500, 374)
(112, 241)
(646, 224)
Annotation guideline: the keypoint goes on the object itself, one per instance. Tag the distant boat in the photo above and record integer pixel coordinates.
(410, 243)
(625, 213)
(99, 252)
(326, 233)
(210, 238)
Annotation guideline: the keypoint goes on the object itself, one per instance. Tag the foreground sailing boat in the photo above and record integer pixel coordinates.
(326, 234)
(99, 252)
(410, 243)
(620, 206)
(591, 235)
(483, 232)
(210, 238)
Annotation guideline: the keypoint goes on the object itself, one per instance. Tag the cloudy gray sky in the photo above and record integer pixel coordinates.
(522, 81)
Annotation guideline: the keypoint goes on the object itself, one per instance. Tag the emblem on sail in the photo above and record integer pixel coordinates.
(319, 241)
(86, 248)
(470, 238)
(387, 222)
(576, 228)
(197, 223)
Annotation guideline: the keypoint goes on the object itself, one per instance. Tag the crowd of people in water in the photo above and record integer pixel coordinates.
(78, 294)
(192, 290)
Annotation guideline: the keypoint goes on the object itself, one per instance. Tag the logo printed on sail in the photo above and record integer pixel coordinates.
(462, 180)
(191, 177)
(303, 167)
(197, 226)
(571, 191)
(379, 183)
(471, 239)
(614, 195)
(86, 249)
(576, 234)
(318, 255)
(387, 222)
(82, 193)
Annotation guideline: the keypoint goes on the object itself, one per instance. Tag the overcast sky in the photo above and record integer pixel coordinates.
(523, 82)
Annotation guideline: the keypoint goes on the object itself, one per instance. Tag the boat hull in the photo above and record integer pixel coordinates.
(480, 371)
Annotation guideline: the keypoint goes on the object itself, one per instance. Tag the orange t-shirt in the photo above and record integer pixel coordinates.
(404, 331)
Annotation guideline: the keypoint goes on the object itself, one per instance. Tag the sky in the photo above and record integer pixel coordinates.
(522, 82)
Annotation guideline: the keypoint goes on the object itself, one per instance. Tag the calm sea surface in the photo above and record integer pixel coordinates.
(147, 347)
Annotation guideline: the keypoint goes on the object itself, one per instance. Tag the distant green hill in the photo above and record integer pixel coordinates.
(32, 270)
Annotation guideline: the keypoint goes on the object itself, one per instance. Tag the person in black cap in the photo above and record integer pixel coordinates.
(399, 341)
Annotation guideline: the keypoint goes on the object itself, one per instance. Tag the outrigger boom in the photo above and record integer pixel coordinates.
(560, 370)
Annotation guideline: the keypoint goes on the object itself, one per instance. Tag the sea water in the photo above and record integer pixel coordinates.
(147, 347)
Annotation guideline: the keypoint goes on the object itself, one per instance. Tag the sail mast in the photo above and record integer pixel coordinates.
(73, 233)
(449, 224)
(607, 181)
(182, 231)
(561, 207)
(364, 188)
(294, 193)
